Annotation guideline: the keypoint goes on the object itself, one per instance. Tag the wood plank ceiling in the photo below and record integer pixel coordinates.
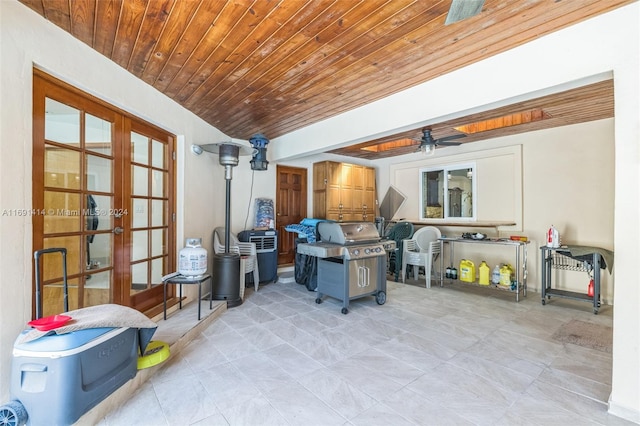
(274, 66)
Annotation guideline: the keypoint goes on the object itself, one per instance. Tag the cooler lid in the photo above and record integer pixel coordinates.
(62, 342)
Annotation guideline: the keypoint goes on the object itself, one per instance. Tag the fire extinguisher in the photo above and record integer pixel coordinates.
(590, 291)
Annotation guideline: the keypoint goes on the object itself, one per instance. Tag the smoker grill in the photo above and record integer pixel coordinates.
(352, 261)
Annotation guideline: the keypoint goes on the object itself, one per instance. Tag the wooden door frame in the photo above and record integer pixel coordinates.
(45, 84)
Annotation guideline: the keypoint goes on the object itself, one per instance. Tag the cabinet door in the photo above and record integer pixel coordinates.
(357, 193)
(334, 175)
(320, 183)
(320, 178)
(346, 187)
(369, 196)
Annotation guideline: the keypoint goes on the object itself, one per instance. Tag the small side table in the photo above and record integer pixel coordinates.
(181, 279)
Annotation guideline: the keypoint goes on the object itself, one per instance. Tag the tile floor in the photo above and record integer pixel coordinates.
(452, 355)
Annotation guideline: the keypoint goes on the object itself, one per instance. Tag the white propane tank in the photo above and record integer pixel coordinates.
(193, 258)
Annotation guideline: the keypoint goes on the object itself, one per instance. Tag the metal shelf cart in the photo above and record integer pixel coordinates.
(520, 258)
(562, 258)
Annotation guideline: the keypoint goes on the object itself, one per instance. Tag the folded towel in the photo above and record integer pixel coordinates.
(586, 251)
(108, 315)
(303, 231)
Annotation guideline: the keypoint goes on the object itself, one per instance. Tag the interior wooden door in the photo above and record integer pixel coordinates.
(291, 208)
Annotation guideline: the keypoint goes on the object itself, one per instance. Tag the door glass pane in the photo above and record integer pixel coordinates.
(139, 148)
(139, 277)
(157, 268)
(62, 123)
(98, 212)
(139, 249)
(140, 178)
(51, 263)
(98, 280)
(97, 135)
(61, 168)
(61, 212)
(54, 202)
(53, 297)
(140, 213)
(98, 249)
(157, 242)
(157, 186)
(98, 173)
(158, 209)
(97, 289)
(158, 154)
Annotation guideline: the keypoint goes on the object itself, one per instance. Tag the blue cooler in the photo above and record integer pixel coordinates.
(58, 378)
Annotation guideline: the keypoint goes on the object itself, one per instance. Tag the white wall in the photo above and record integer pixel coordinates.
(27, 40)
(595, 49)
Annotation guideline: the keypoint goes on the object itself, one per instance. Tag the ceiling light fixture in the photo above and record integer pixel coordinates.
(196, 149)
(428, 149)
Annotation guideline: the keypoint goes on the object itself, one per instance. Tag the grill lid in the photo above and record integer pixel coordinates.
(347, 233)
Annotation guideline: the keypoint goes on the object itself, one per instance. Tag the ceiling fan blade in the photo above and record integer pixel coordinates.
(452, 137)
(463, 9)
(448, 143)
(443, 141)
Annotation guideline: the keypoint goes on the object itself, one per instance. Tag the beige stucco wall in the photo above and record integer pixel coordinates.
(562, 176)
(27, 40)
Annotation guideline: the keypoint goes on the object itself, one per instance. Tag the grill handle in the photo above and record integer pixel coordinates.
(363, 276)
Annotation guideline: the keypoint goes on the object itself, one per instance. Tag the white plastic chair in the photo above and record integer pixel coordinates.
(244, 249)
(421, 250)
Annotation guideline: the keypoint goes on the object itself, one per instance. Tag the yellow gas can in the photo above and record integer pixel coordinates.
(484, 273)
(467, 271)
(506, 271)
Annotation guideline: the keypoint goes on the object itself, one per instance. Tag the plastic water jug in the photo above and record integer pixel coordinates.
(467, 271)
(495, 276)
(484, 271)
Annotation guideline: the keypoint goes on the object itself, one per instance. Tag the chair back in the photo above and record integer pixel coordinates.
(425, 235)
(218, 241)
(400, 231)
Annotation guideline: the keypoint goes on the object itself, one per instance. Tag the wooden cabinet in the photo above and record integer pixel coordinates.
(344, 192)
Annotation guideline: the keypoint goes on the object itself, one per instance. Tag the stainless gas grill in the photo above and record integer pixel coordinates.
(352, 261)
